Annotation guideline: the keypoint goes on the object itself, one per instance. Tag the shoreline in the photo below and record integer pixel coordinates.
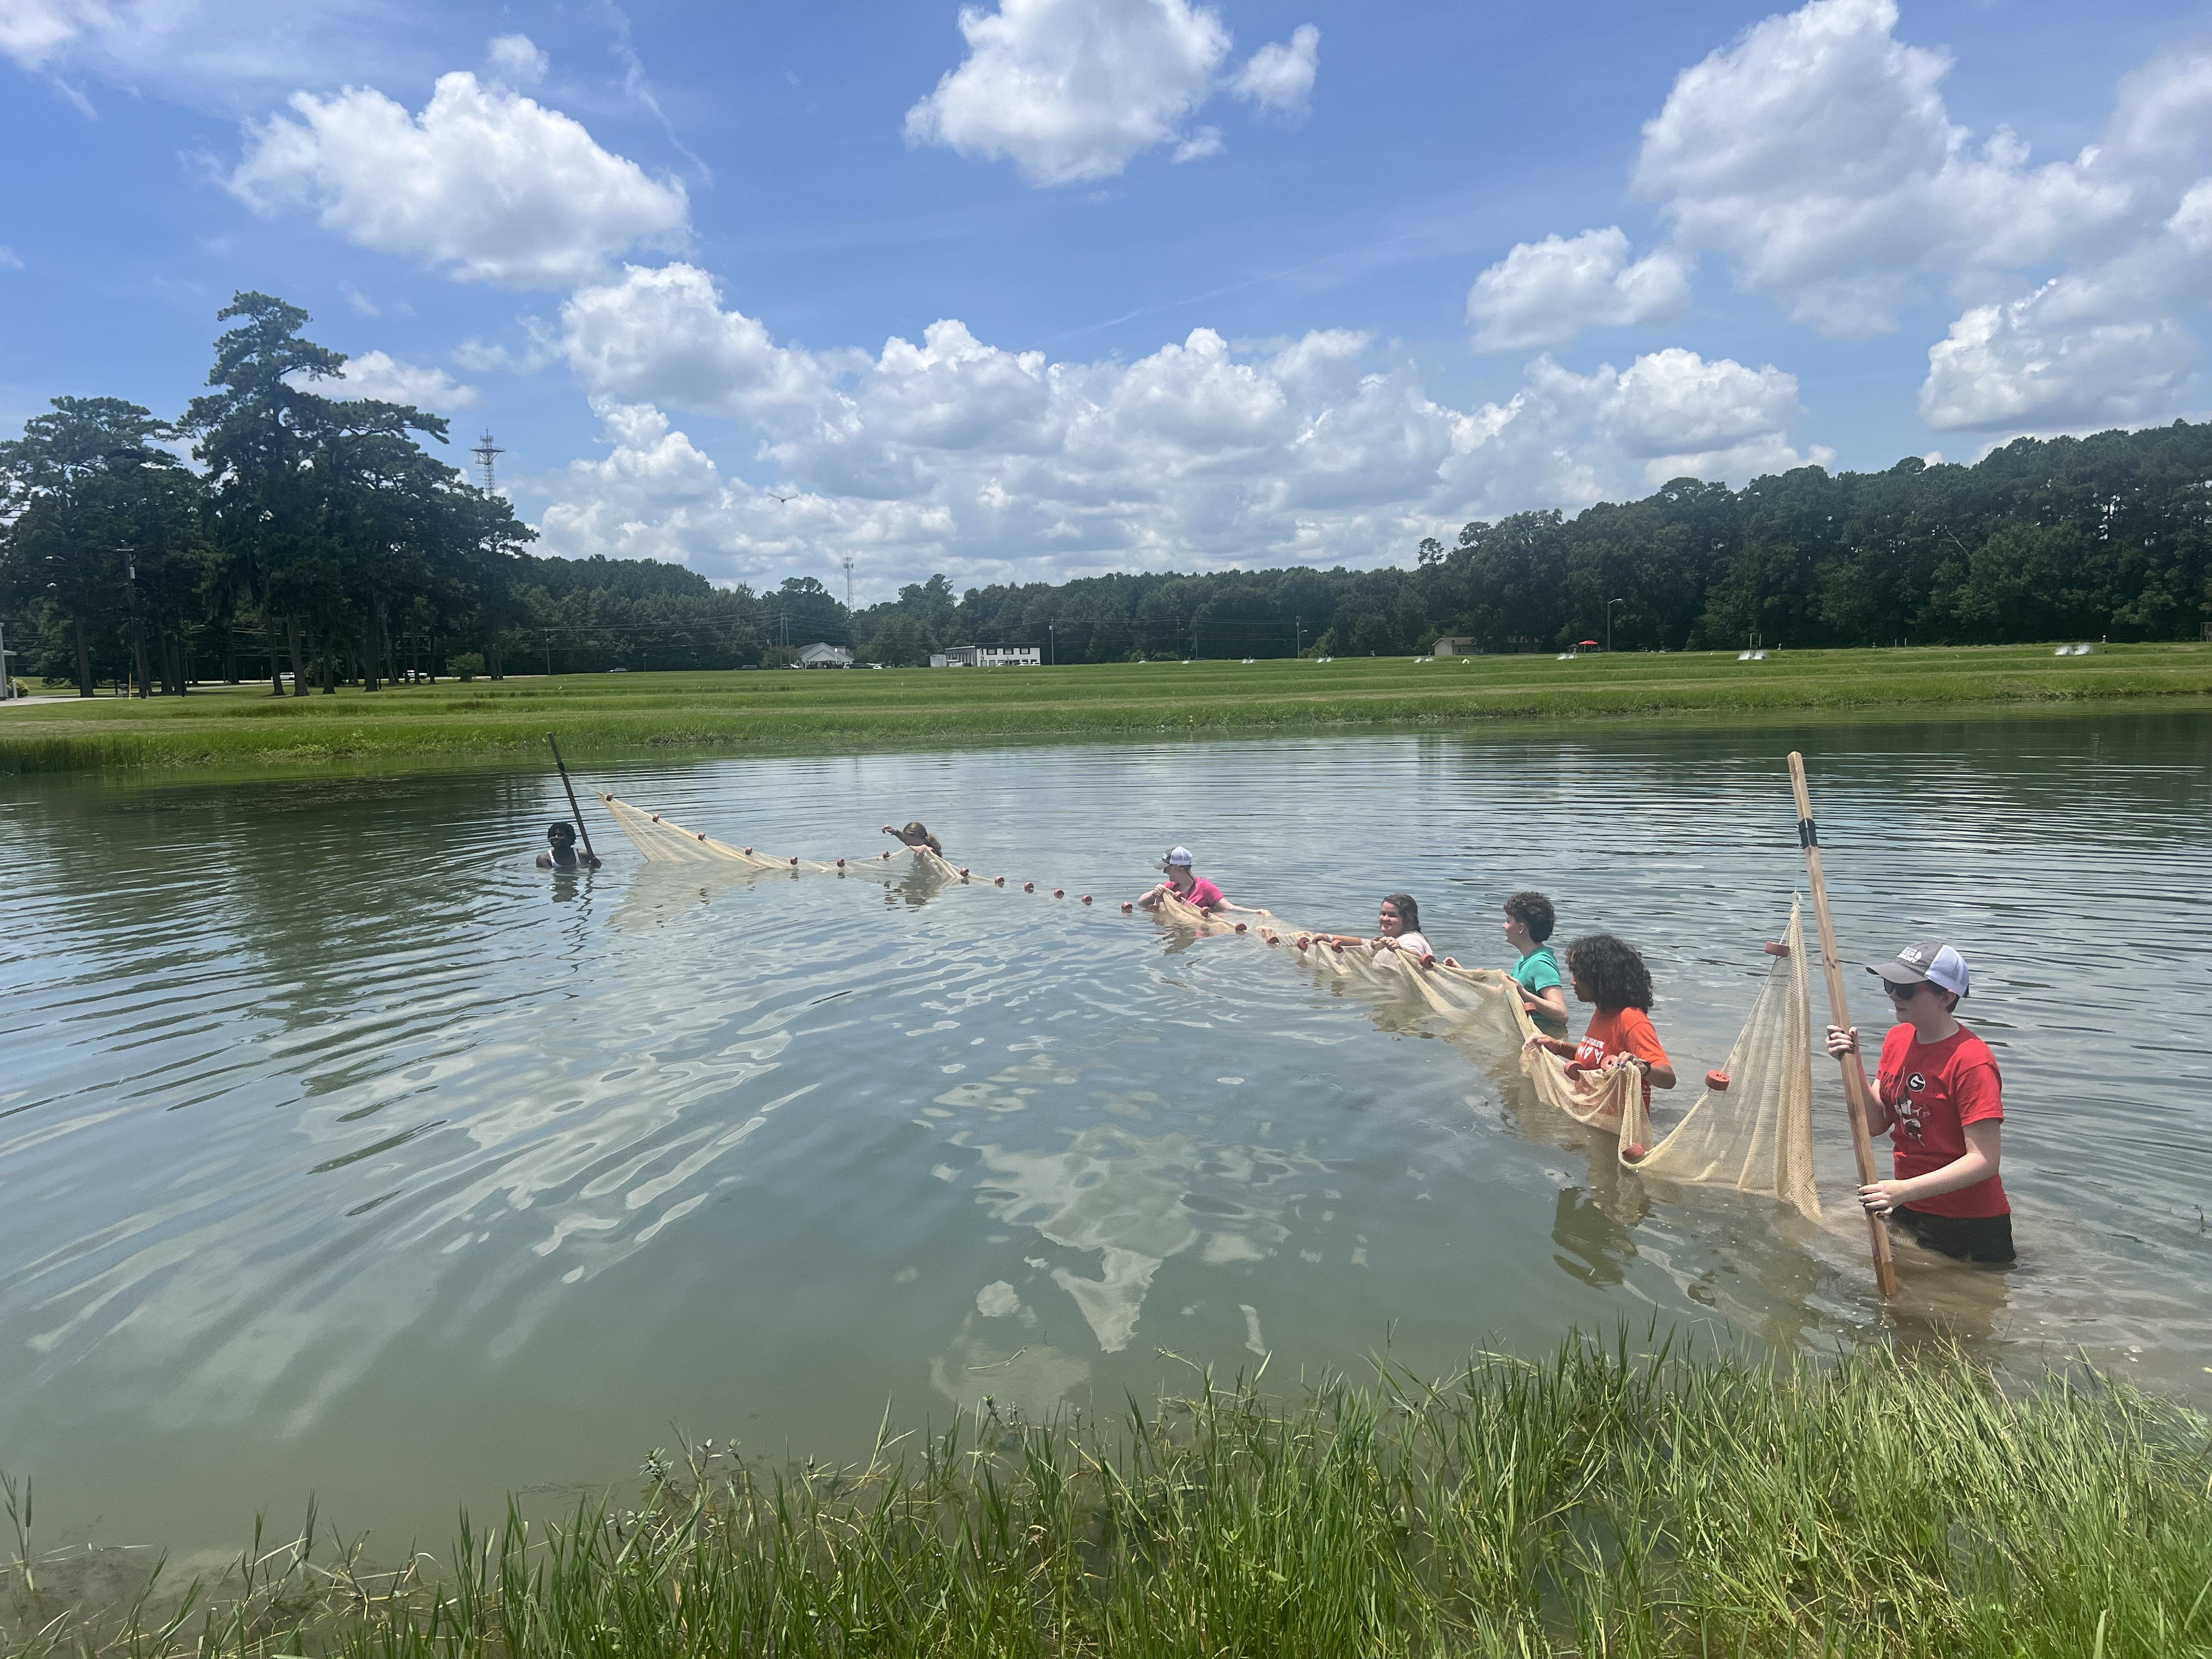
(1631, 1494)
(607, 719)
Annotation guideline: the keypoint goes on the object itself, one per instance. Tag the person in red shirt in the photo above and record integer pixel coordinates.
(1938, 1093)
(1607, 973)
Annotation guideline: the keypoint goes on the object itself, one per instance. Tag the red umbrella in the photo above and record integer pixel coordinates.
(1583, 643)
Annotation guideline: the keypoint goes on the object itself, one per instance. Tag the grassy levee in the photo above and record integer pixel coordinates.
(606, 716)
(1604, 1502)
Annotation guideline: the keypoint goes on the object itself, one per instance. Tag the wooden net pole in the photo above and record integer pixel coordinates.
(576, 811)
(1855, 1083)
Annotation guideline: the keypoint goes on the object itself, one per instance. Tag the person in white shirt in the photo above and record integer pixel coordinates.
(1400, 929)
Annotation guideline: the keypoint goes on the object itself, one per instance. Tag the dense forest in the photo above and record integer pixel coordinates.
(316, 542)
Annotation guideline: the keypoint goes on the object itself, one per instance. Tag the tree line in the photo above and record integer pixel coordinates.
(2105, 536)
(313, 541)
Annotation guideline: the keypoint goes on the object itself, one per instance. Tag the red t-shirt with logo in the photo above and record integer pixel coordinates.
(1614, 1031)
(1944, 1086)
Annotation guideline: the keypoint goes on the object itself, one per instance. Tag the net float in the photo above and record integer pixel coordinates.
(1429, 959)
(886, 855)
(702, 835)
(1717, 1081)
(841, 864)
(1029, 887)
(1059, 893)
(1240, 926)
(748, 852)
(998, 881)
(656, 817)
(1633, 1152)
(1126, 906)
(963, 868)
(1086, 898)
(1775, 949)
(795, 860)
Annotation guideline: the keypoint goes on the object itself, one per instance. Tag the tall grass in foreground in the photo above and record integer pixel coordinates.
(1605, 1502)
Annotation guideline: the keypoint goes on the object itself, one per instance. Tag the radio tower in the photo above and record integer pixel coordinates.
(849, 581)
(486, 452)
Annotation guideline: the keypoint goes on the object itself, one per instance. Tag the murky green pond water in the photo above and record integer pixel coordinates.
(343, 1150)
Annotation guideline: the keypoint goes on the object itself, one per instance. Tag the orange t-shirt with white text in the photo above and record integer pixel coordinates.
(1616, 1031)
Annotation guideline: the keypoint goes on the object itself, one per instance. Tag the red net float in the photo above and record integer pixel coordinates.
(998, 881)
(1271, 938)
(702, 835)
(1086, 898)
(1126, 906)
(1717, 1081)
(1029, 887)
(1428, 959)
(656, 817)
(1633, 1152)
(795, 860)
(1240, 926)
(963, 869)
(841, 864)
(1776, 950)
(885, 855)
(748, 852)
(1059, 893)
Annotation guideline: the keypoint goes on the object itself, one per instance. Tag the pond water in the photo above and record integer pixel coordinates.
(342, 1151)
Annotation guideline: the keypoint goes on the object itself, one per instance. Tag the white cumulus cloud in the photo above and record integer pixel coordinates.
(485, 183)
(2064, 358)
(519, 60)
(1280, 76)
(950, 452)
(1070, 90)
(1817, 152)
(1544, 292)
(379, 375)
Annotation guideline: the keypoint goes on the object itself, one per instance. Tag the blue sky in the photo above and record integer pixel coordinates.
(1057, 286)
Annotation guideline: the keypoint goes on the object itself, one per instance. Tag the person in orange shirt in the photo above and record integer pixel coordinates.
(1608, 973)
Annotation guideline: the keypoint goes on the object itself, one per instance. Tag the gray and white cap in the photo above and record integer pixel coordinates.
(1180, 855)
(1930, 961)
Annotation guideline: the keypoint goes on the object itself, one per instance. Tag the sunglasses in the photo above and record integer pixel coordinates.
(1904, 993)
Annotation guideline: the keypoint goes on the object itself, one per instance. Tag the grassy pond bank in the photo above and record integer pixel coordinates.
(1609, 1499)
(606, 716)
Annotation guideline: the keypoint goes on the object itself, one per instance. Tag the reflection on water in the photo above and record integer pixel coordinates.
(345, 1150)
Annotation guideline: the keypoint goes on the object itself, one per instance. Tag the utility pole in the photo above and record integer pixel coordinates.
(486, 452)
(849, 581)
(1297, 636)
(1609, 604)
(1052, 632)
(137, 633)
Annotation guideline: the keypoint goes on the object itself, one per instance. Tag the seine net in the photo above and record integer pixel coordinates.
(1756, 1135)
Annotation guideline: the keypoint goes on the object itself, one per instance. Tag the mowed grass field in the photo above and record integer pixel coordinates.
(606, 715)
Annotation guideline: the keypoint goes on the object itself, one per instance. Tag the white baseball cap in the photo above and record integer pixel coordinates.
(1178, 856)
(1930, 961)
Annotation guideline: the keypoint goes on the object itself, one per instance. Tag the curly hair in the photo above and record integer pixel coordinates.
(1408, 912)
(1615, 975)
(1533, 911)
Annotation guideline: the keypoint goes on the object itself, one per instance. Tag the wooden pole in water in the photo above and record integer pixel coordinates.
(578, 812)
(1855, 1082)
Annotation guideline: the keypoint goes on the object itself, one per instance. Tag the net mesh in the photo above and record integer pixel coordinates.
(1756, 1135)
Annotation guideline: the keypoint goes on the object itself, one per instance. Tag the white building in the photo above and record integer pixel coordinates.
(1457, 645)
(824, 656)
(988, 656)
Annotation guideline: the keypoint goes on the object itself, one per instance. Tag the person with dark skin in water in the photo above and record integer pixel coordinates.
(561, 851)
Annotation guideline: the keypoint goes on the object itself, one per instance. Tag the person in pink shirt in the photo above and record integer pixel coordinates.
(1193, 889)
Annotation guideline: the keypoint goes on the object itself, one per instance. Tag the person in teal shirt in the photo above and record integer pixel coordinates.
(1530, 918)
